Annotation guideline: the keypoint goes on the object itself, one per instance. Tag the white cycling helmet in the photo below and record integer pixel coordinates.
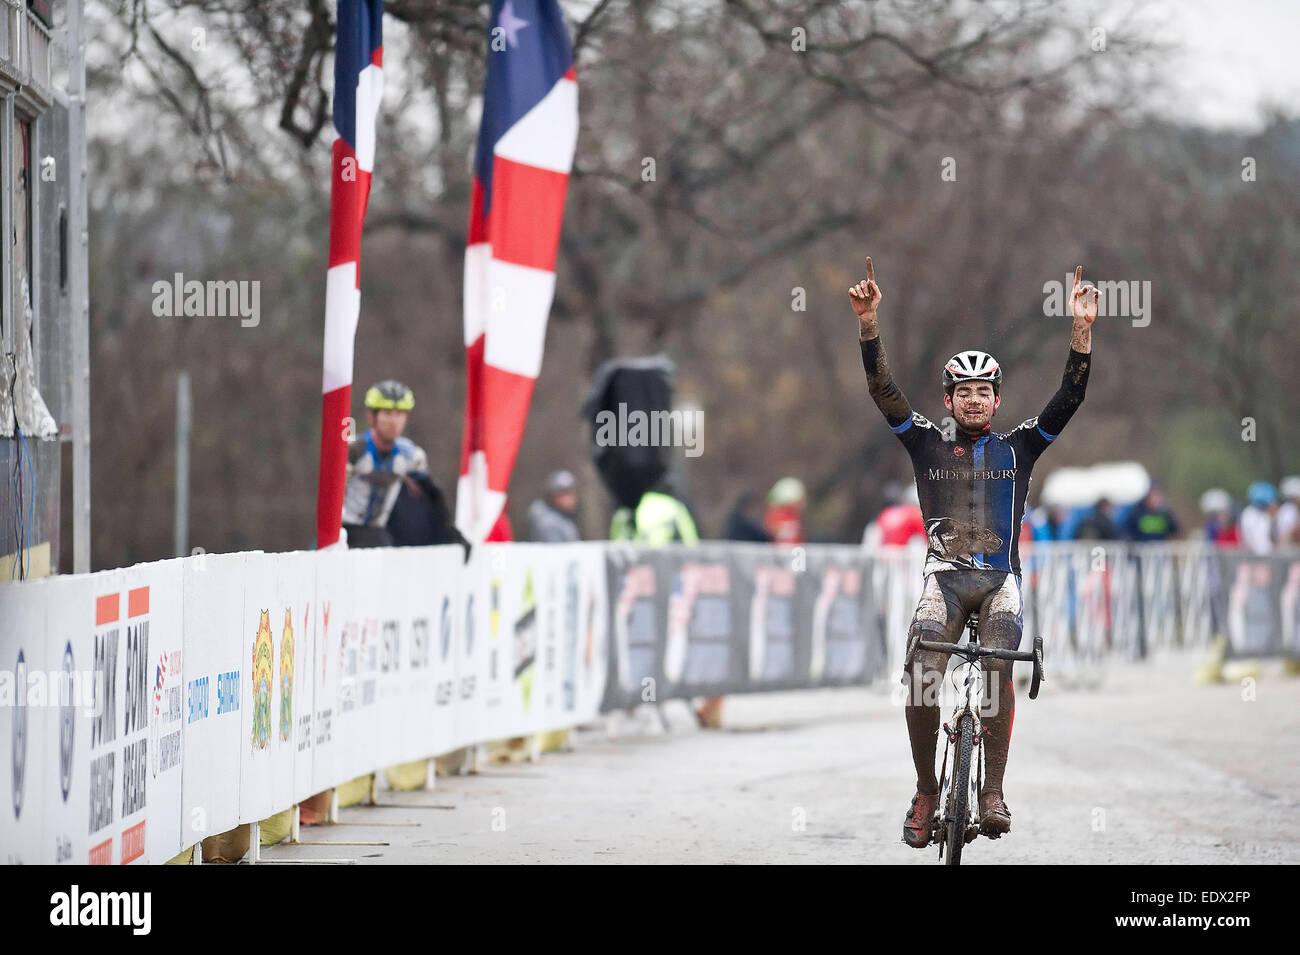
(1216, 500)
(971, 366)
(1290, 486)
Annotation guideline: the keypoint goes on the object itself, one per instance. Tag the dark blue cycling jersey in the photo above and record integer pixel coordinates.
(973, 487)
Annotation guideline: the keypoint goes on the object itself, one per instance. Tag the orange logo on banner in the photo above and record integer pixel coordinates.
(137, 602)
(133, 843)
(107, 609)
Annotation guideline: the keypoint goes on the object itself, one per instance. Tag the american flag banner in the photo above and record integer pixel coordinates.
(358, 88)
(521, 173)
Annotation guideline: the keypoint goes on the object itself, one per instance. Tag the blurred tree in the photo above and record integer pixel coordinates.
(975, 151)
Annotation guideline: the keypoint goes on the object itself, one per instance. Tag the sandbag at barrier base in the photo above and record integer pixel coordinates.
(405, 777)
(556, 740)
(315, 810)
(709, 713)
(456, 763)
(520, 748)
(228, 846)
(517, 749)
(1245, 669)
(356, 791)
(1211, 671)
(275, 828)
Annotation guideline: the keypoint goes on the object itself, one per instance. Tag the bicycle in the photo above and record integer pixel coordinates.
(958, 822)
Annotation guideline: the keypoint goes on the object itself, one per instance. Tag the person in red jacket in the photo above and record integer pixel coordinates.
(1220, 528)
(783, 516)
(902, 522)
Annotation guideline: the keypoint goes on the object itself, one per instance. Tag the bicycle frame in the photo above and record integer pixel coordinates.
(969, 705)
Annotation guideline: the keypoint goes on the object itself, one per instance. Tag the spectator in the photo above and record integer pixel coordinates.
(659, 518)
(388, 485)
(552, 515)
(1257, 521)
(1220, 529)
(902, 521)
(743, 524)
(1150, 520)
(1049, 523)
(1100, 524)
(1288, 515)
(783, 517)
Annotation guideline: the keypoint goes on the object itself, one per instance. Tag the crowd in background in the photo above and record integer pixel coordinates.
(390, 500)
(1268, 520)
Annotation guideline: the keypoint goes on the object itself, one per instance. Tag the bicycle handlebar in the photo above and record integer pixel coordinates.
(971, 652)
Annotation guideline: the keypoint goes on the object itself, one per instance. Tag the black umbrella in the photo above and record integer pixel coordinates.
(621, 388)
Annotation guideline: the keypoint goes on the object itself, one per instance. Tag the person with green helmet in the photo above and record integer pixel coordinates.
(783, 515)
(387, 471)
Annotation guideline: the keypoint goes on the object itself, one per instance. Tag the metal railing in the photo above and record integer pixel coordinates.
(24, 47)
(37, 48)
(11, 13)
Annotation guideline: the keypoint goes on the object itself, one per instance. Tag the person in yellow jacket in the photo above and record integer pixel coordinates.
(660, 519)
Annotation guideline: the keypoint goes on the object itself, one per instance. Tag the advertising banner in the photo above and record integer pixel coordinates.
(637, 608)
(459, 625)
(137, 639)
(739, 619)
(411, 632)
(847, 623)
(346, 727)
(275, 626)
(583, 618)
(65, 759)
(1256, 599)
(155, 685)
(211, 751)
(27, 734)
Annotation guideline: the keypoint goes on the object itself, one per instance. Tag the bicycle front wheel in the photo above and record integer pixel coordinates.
(959, 794)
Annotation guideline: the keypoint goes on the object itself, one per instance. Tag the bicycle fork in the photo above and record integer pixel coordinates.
(968, 708)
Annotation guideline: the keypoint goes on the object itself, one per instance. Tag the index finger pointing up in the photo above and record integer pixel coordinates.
(871, 272)
(1078, 275)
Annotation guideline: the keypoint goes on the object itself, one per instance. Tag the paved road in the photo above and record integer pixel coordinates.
(1147, 768)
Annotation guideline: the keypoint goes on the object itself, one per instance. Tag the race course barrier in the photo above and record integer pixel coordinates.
(144, 708)
(215, 690)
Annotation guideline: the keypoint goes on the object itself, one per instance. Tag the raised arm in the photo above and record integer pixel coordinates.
(889, 398)
(1062, 405)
